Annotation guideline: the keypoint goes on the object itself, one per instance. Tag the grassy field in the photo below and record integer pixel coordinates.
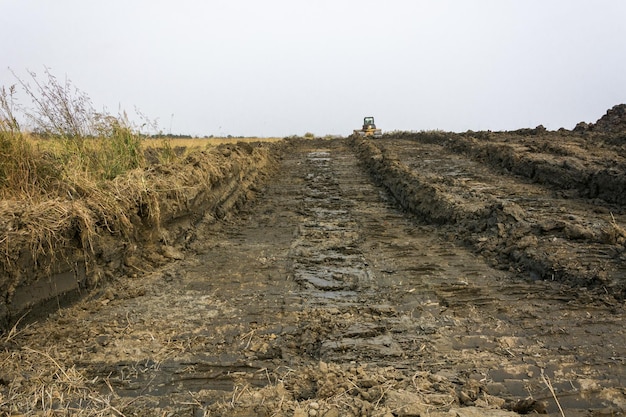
(202, 143)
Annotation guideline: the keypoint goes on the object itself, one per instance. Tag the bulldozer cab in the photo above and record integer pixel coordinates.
(368, 122)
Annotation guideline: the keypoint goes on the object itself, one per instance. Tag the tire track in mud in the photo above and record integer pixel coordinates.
(327, 261)
(325, 254)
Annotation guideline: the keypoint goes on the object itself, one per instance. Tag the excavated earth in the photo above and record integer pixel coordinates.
(421, 274)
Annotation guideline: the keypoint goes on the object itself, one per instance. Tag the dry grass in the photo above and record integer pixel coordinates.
(43, 386)
(73, 141)
(548, 383)
(208, 142)
(203, 143)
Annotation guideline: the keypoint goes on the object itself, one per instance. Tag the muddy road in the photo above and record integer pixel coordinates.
(335, 293)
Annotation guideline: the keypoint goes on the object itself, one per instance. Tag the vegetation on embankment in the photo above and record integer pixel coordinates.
(75, 144)
(79, 203)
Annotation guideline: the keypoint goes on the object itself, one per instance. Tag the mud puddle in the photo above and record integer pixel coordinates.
(323, 299)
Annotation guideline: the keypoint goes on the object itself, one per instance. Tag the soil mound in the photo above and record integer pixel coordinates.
(614, 121)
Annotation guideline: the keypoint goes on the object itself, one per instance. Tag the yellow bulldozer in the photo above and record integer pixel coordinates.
(369, 128)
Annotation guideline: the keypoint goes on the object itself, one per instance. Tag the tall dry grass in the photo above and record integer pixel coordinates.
(74, 143)
(24, 170)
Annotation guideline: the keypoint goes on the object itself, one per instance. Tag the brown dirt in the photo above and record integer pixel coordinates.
(414, 275)
(614, 121)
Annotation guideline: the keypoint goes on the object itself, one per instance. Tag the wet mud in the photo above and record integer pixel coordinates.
(396, 277)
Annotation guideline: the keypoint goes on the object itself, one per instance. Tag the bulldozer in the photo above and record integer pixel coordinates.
(369, 129)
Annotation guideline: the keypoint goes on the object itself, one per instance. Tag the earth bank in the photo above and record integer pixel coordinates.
(57, 250)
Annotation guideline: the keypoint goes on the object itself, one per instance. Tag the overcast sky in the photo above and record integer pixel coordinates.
(283, 67)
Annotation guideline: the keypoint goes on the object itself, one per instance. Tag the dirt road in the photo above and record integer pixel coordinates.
(326, 298)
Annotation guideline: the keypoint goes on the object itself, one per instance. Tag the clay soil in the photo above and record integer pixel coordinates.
(414, 275)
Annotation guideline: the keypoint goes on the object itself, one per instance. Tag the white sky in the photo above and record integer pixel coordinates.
(283, 67)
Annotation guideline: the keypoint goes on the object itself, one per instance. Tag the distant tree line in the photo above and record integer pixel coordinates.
(169, 135)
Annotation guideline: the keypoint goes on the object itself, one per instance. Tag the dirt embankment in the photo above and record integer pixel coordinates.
(549, 205)
(53, 250)
(576, 166)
